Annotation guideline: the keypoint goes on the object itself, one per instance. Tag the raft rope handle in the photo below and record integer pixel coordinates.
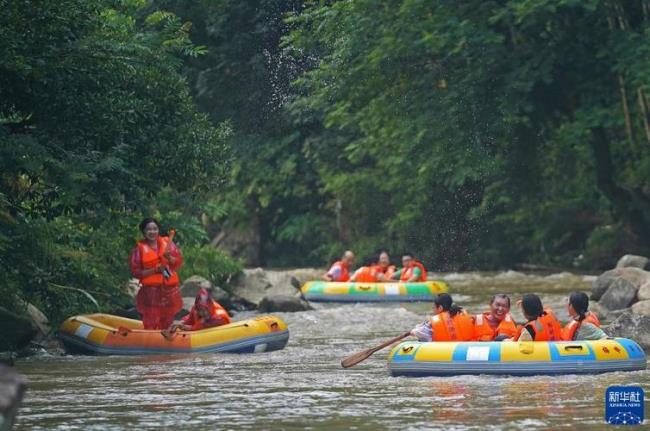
(366, 287)
(573, 347)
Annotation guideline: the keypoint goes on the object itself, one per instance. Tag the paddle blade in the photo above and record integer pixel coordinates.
(365, 354)
(353, 360)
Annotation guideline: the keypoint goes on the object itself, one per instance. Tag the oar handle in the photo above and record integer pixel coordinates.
(391, 341)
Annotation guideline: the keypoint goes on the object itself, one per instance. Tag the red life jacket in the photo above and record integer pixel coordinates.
(484, 332)
(151, 259)
(345, 271)
(546, 327)
(218, 315)
(408, 272)
(571, 328)
(448, 328)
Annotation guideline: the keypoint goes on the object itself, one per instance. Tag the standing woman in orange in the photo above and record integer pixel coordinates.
(154, 261)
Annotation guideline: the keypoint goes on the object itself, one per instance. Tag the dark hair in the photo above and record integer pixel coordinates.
(143, 224)
(532, 306)
(445, 301)
(378, 255)
(369, 261)
(580, 303)
(500, 296)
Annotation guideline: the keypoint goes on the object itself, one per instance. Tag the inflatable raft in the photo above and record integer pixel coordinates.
(104, 334)
(329, 291)
(516, 358)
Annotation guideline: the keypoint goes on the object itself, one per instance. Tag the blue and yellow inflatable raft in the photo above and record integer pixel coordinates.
(515, 358)
(104, 334)
(329, 291)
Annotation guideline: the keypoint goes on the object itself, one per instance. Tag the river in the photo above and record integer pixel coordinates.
(304, 387)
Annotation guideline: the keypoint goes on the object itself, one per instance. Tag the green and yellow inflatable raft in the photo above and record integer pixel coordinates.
(516, 358)
(327, 291)
(104, 334)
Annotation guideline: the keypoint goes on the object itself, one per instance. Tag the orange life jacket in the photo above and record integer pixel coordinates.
(571, 328)
(408, 272)
(345, 271)
(366, 274)
(546, 327)
(152, 258)
(448, 328)
(484, 332)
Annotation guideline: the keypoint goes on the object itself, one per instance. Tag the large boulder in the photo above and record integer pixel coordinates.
(294, 277)
(16, 331)
(633, 326)
(12, 388)
(253, 285)
(39, 320)
(192, 286)
(642, 308)
(644, 292)
(631, 260)
(606, 315)
(635, 276)
(282, 303)
(621, 294)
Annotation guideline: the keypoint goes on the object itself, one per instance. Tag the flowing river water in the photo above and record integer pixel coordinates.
(304, 387)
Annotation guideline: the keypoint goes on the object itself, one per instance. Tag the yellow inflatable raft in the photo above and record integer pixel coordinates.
(104, 334)
(330, 291)
(516, 358)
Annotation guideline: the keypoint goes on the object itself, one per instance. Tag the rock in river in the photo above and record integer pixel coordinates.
(621, 294)
(642, 308)
(633, 326)
(644, 292)
(254, 284)
(12, 388)
(16, 331)
(631, 260)
(282, 303)
(635, 276)
(191, 286)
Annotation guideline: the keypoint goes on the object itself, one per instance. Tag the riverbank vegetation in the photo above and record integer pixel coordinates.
(477, 134)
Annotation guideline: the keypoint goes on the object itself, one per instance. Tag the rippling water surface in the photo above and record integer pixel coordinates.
(304, 387)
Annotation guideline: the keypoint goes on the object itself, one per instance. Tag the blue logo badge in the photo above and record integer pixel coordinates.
(624, 405)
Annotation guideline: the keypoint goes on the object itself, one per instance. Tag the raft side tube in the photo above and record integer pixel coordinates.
(94, 335)
(516, 358)
(324, 291)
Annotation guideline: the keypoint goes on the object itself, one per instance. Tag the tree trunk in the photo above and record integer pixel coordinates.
(630, 206)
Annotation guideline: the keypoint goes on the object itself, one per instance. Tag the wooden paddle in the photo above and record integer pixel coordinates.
(353, 360)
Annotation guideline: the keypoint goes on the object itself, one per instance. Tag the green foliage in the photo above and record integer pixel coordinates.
(97, 130)
(208, 262)
(477, 133)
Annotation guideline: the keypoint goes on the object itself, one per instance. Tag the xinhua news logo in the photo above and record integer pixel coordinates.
(624, 405)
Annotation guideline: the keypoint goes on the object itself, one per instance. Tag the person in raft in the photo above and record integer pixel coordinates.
(412, 270)
(374, 270)
(448, 323)
(496, 324)
(541, 323)
(584, 325)
(340, 270)
(205, 313)
(154, 261)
